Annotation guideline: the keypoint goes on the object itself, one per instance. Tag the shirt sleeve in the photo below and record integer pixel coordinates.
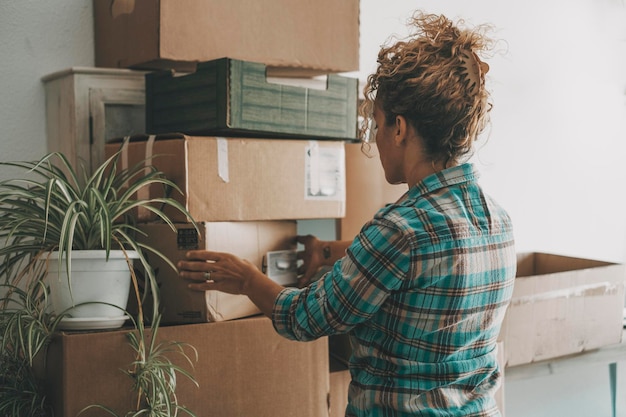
(376, 264)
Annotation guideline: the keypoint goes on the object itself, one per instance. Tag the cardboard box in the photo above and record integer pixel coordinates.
(233, 97)
(340, 348)
(500, 394)
(562, 305)
(339, 379)
(230, 179)
(244, 368)
(248, 240)
(320, 36)
(367, 191)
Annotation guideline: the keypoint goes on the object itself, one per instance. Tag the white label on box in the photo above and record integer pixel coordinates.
(324, 171)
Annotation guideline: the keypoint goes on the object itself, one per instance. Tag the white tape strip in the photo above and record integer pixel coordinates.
(222, 159)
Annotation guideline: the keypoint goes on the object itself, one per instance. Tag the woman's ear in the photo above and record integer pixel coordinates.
(401, 130)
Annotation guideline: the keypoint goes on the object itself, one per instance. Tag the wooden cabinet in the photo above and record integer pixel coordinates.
(85, 107)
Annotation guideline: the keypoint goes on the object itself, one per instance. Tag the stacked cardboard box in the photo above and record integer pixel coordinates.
(206, 126)
(245, 179)
(247, 114)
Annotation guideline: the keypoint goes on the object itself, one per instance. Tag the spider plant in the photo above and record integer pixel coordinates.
(56, 207)
(25, 333)
(153, 373)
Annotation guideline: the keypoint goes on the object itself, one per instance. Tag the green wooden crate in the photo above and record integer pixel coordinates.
(232, 97)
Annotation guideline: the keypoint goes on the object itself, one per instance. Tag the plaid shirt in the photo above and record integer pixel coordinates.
(422, 292)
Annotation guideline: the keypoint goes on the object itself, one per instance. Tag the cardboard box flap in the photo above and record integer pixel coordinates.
(544, 263)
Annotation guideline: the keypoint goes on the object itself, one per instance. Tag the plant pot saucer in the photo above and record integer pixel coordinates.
(91, 323)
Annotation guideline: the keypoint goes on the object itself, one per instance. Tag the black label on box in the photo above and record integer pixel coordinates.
(187, 239)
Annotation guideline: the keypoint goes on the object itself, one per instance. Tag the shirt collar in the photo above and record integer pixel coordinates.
(465, 172)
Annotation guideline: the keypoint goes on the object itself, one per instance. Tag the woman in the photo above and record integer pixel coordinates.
(422, 290)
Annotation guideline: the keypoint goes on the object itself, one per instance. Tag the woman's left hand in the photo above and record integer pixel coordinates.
(217, 271)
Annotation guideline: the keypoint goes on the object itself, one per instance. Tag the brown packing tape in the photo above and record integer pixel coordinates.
(124, 155)
(144, 192)
(598, 289)
(121, 7)
(186, 173)
(148, 155)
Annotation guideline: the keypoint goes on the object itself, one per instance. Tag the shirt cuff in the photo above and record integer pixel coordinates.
(281, 312)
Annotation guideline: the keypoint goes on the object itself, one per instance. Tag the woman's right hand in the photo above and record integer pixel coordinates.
(312, 258)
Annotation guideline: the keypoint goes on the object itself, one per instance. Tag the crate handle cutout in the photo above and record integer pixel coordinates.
(314, 83)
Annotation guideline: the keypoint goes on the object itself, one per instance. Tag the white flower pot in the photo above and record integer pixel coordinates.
(97, 295)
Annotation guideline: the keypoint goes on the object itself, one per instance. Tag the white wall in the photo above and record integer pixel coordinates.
(554, 153)
(36, 38)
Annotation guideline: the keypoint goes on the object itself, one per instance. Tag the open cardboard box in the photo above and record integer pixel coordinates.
(244, 368)
(303, 37)
(236, 179)
(562, 305)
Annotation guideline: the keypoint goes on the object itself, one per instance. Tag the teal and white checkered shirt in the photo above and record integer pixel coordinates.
(422, 292)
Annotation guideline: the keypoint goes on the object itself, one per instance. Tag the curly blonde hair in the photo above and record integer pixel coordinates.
(436, 80)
